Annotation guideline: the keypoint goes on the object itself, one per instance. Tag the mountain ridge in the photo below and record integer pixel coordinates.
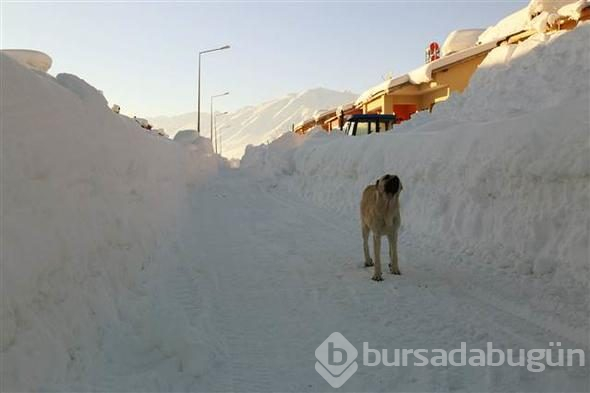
(256, 124)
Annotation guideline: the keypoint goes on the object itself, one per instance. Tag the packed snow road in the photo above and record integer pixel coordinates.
(277, 276)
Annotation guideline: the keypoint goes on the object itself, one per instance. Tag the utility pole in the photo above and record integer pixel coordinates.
(199, 85)
(211, 129)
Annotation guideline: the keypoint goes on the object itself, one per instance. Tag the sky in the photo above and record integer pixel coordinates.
(144, 56)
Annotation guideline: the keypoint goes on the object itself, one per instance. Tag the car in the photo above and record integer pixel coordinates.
(368, 124)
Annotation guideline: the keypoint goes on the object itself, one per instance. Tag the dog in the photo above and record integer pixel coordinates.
(380, 214)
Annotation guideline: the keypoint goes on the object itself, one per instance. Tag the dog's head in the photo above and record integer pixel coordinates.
(389, 185)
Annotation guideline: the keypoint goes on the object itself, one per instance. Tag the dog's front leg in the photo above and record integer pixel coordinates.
(393, 266)
(368, 260)
(377, 276)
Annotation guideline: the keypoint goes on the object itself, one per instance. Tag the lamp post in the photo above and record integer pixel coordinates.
(212, 97)
(220, 128)
(199, 85)
(215, 127)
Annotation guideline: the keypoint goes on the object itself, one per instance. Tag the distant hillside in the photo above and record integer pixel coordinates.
(185, 121)
(261, 123)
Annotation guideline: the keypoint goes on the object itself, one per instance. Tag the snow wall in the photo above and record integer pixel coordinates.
(501, 171)
(91, 206)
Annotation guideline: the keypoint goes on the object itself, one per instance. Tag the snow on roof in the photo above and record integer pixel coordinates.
(460, 39)
(536, 15)
(423, 74)
(573, 10)
(512, 24)
(345, 107)
(318, 115)
(536, 7)
(524, 19)
(33, 59)
(383, 86)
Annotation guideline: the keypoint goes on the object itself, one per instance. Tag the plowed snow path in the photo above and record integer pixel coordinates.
(283, 275)
(264, 278)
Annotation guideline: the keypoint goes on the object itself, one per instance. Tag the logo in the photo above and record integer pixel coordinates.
(336, 357)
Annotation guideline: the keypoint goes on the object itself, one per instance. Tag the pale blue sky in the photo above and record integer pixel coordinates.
(144, 56)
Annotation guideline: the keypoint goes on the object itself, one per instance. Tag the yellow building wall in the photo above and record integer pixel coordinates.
(457, 76)
(454, 78)
(375, 105)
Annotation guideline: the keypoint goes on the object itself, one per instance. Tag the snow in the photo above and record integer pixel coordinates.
(131, 262)
(515, 64)
(459, 40)
(260, 123)
(383, 86)
(573, 10)
(423, 74)
(461, 44)
(91, 205)
(499, 172)
(537, 7)
(534, 16)
(32, 59)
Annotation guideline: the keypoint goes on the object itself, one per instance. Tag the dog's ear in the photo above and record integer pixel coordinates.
(377, 183)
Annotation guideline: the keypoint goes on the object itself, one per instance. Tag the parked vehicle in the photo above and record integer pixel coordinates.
(368, 124)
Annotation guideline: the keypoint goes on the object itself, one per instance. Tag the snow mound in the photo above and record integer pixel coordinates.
(197, 144)
(537, 15)
(501, 171)
(546, 69)
(460, 39)
(32, 59)
(90, 209)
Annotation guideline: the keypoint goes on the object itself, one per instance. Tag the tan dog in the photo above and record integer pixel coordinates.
(380, 215)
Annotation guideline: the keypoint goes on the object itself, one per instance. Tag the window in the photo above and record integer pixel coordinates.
(362, 129)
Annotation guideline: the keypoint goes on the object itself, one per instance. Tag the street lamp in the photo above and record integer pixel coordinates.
(220, 128)
(199, 85)
(215, 127)
(212, 97)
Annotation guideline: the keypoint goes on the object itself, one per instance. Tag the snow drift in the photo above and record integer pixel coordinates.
(90, 209)
(501, 171)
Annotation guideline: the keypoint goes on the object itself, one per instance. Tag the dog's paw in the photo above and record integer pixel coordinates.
(377, 277)
(369, 263)
(394, 270)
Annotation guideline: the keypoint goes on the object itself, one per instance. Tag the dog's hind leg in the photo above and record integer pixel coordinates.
(368, 260)
(393, 266)
(377, 276)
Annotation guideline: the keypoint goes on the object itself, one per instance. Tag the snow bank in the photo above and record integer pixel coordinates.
(32, 59)
(91, 206)
(502, 172)
(541, 72)
(460, 39)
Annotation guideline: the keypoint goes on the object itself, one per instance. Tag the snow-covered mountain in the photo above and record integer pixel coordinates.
(260, 123)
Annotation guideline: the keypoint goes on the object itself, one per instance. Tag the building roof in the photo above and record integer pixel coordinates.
(423, 74)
